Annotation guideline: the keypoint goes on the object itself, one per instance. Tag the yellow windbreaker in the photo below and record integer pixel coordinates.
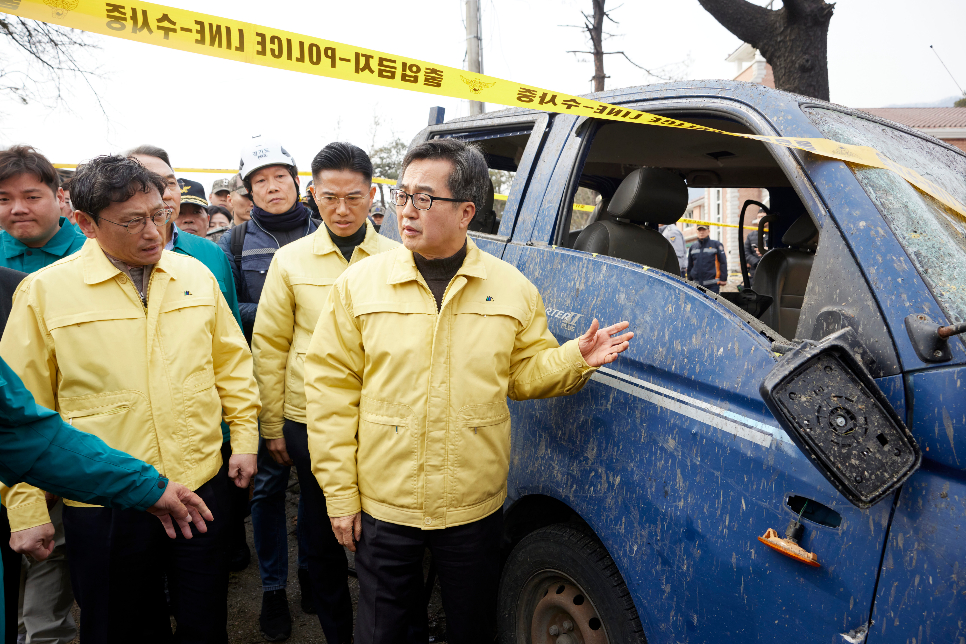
(407, 408)
(296, 287)
(154, 382)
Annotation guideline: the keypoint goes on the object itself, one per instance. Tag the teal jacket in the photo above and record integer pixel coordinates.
(17, 256)
(208, 253)
(37, 447)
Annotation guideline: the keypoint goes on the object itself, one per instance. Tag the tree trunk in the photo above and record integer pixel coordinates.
(597, 39)
(793, 39)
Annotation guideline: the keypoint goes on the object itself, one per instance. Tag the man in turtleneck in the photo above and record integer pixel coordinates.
(406, 380)
(297, 285)
(278, 218)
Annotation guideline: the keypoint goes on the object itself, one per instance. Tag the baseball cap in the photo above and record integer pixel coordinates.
(235, 184)
(221, 185)
(700, 226)
(193, 192)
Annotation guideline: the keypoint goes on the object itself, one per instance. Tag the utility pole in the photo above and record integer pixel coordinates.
(474, 48)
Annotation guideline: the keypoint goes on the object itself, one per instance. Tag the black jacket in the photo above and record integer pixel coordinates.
(707, 262)
(9, 281)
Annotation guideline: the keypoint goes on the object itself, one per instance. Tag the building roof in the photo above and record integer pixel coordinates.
(922, 117)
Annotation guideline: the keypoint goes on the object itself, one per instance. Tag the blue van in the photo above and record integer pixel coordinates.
(665, 502)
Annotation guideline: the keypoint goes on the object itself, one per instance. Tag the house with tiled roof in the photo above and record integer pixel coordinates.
(945, 123)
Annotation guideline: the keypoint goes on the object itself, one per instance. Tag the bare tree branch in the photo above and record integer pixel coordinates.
(747, 21)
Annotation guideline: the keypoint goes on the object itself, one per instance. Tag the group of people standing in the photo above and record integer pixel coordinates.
(379, 370)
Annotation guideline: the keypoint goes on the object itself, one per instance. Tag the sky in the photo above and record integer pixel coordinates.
(202, 110)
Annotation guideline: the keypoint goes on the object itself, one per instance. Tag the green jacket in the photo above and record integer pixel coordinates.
(37, 447)
(17, 256)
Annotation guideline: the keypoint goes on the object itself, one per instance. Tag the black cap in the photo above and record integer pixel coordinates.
(193, 192)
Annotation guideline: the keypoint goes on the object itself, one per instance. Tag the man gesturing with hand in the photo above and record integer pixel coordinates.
(406, 380)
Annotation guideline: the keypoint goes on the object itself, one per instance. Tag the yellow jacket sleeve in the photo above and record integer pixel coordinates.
(539, 367)
(271, 342)
(235, 379)
(333, 387)
(27, 349)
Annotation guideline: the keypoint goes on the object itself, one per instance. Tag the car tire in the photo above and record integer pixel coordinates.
(560, 586)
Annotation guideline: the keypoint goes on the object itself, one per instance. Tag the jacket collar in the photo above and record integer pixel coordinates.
(404, 268)
(323, 244)
(98, 268)
(58, 245)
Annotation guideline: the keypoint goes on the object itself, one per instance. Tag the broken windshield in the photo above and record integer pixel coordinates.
(933, 235)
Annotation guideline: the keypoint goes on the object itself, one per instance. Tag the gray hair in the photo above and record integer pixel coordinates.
(150, 151)
(470, 178)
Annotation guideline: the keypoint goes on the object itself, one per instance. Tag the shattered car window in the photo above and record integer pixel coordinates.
(933, 235)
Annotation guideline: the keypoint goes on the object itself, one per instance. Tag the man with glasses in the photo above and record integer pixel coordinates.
(295, 290)
(137, 346)
(406, 380)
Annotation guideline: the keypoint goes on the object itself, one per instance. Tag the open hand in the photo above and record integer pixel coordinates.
(185, 507)
(600, 346)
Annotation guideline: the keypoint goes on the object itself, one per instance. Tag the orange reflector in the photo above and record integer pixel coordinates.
(789, 548)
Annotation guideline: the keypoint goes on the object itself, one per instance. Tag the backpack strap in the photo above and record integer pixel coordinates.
(238, 242)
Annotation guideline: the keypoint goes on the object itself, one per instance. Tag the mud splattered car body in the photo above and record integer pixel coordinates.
(669, 460)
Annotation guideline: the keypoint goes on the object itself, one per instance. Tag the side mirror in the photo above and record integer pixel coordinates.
(831, 408)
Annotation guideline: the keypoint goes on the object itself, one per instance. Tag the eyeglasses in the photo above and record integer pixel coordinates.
(136, 226)
(421, 200)
(331, 201)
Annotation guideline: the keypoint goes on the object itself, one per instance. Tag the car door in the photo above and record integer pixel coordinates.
(669, 453)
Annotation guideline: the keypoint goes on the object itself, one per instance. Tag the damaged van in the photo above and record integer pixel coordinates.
(787, 461)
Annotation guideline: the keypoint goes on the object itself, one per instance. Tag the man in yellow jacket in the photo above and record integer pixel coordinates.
(406, 380)
(296, 288)
(138, 347)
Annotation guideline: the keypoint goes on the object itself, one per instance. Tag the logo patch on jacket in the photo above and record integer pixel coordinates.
(489, 299)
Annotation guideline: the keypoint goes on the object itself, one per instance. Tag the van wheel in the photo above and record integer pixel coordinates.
(560, 586)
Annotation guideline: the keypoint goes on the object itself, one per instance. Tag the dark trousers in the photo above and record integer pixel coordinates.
(389, 566)
(118, 563)
(11, 580)
(237, 507)
(328, 565)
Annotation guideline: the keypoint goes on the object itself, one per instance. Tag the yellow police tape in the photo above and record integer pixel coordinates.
(249, 43)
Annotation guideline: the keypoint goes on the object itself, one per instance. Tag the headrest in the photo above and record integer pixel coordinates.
(488, 197)
(650, 196)
(801, 234)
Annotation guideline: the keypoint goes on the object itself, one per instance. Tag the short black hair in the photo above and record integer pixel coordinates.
(470, 178)
(23, 159)
(110, 179)
(342, 156)
(148, 150)
(221, 210)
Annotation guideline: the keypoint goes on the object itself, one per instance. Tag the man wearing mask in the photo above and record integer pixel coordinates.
(416, 349)
(707, 261)
(36, 233)
(296, 288)
(138, 347)
(156, 160)
(270, 176)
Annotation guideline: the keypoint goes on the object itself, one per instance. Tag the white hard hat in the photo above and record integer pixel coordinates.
(261, 153)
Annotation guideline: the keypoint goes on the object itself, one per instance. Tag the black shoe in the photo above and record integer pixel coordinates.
(275, 621)
(240, 557)
(305, 588)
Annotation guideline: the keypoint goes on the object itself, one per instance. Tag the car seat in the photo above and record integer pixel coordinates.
(783, 275)
(599, 214)
(645, 196)
(484, 221)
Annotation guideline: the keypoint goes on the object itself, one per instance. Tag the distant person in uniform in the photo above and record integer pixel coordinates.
(193, 215)
(753, 250)
(220, 190)
(707, 262)
(674, 235)
(239, 201)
